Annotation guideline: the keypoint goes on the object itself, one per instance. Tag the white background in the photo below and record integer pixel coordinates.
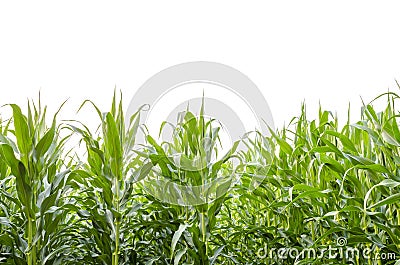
(327, 51)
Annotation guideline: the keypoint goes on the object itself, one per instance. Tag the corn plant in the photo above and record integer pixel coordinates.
(33, 182)
(106, 183)
(187, 173)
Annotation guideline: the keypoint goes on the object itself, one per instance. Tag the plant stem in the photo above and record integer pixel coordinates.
(116, 250)
(30, 237)
(31, 254)
(204, 232)
(117, 222)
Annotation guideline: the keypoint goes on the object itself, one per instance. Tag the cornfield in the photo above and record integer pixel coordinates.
(309, 186)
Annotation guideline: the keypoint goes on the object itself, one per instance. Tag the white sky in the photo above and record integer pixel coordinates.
(332, 52)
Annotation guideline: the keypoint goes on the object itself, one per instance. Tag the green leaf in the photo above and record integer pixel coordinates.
(24, 140)
(23, 189)
(394, 198)
(179, 255)
(177, 236)
(44, 144)
(346, 142)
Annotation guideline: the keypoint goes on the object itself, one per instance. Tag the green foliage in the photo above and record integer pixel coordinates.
(188, 173)
(106, 182)
(34, 180)
(304, 186)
